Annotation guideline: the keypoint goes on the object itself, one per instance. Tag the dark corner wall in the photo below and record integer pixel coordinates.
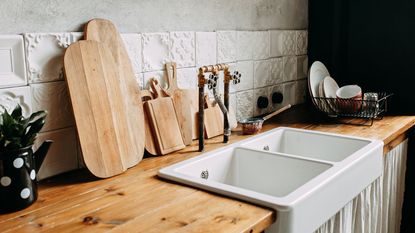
(370, 43)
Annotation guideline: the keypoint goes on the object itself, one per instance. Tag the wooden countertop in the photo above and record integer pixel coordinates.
(138, 201)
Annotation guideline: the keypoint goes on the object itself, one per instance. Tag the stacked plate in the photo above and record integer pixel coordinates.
(322, 87)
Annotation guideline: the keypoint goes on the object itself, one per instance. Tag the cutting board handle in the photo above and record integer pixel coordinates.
(171, 70)
(155, 87)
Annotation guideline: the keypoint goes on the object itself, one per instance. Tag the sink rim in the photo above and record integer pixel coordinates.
(287, 202)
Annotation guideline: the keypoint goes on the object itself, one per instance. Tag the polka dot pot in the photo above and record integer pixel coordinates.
(18, 181)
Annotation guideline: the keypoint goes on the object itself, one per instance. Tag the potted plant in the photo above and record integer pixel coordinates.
(18, 163)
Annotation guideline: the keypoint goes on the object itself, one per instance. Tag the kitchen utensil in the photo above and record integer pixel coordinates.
(99, 108)
(213, 119)
(253, 125)
(105, 31)
(182, 102)
(150, 144)
(163, 120)
(349, 98)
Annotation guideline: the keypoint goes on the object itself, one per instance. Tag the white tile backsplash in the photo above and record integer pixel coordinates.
(10, 97)
(187, 78)
(262, 73)
(133, 45)
(245, 107)
(290, 68)
(44, 55)
(277, 70)
(269, 61)
(155, 51)
(182, 48)
(245, 45)
(206, 48)
(12, 61)
(62, 155)
(261, 45)
(54, 98)
(246, 68)
(227, 46)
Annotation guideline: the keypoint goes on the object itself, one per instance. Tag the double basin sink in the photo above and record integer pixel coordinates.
(306, 176)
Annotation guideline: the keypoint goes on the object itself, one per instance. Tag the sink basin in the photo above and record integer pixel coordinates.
(306, 176)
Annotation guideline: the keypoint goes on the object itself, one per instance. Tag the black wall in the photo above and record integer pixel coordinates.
(371, 43)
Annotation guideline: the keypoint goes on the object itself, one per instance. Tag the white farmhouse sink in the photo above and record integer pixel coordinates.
(306, 176)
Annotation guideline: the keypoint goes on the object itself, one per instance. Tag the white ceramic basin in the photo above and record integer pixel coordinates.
(306, 176)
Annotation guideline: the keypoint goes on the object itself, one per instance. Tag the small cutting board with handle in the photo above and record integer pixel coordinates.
(183, 102)
(163, 119)
(213, 119)
(99, 109)
(150, 147)
(104, 31)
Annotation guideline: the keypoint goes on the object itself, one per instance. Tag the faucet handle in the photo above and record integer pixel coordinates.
(212, 81)
(236, 77)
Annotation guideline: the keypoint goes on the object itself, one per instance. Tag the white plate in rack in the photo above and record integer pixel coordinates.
(317, 73)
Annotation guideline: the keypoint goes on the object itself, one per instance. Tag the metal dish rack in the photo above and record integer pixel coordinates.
(350, 108)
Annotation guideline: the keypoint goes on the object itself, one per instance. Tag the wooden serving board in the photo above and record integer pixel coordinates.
(105, 31)
(213, 119)
(150, 145)
(99, 109)
(163, 120)
(183, 102)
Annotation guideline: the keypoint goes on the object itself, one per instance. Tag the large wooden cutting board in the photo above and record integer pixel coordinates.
(99, 109)
(163, 119)
(105, 31)
(150, 140)
(184, 103)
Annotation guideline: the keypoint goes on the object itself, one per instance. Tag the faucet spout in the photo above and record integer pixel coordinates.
(227, 128)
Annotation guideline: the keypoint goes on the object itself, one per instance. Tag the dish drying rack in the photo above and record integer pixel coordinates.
(367, 110)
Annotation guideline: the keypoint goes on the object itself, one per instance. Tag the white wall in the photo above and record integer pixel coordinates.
(266, 40)
(18, 16)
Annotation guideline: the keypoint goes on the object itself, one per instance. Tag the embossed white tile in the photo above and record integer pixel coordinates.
(301, 90)
(302, 67)
(246, 69)
(245, 104)
(44, 55)
(245, 45)
(63, 153)
(261, 44)
(132, 42)
(159, 75)
(261, 92)
(182, 48)
(187, 78)
(290, 68)
(302, 42)
(262, 73)
(227, 46)
(276, 89)
(54, 98)
(289, 93)
(155, 51)
(12, 61)
(277, 70)
(10, 97)
(140, 80)
(283, 43)
(206, 48)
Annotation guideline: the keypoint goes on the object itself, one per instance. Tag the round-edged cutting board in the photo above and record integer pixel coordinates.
(104, 31)
(98, 104)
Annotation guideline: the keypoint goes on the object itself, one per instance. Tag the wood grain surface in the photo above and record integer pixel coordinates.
(138, 201)
(150, 144)
(183, 102)
(105, 32)
(95, 91)
(213, 119)
(164, 122)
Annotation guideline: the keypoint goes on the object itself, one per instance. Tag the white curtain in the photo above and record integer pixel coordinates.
(378, 209)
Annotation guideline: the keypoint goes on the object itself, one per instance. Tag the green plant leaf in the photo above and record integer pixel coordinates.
(17, 112)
